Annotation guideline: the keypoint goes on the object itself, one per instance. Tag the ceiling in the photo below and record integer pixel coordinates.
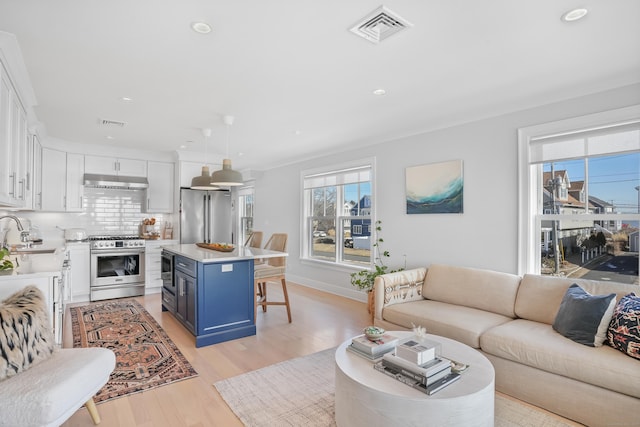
(298, 82)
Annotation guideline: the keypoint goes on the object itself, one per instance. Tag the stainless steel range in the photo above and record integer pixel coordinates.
(117, 267)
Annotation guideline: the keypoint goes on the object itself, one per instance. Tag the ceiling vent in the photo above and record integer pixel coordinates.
(112, 123)
(380, 24)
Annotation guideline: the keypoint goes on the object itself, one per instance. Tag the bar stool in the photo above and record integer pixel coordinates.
(271, 270)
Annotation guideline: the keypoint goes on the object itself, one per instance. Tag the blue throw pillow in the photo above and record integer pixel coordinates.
(584, 318)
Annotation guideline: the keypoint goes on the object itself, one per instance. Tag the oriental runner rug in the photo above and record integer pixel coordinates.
(301, 392)
(145, 355)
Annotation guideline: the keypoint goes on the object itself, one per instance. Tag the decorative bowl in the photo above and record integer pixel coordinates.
(373, 332)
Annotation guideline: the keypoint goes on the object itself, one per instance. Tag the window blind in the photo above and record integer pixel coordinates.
(620, 138)
(339, 177)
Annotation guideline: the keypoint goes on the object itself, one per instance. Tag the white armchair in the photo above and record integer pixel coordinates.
(40, 385)
(48, 393)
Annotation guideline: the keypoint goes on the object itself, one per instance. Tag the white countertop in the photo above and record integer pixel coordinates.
(35, 265)
(240, 253)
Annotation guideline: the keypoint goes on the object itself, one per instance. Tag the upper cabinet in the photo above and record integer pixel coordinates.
(62, 183)
(13, 146)
(161, 187)
(104, 165)
(16, 100)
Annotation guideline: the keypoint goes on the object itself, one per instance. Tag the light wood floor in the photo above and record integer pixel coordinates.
(320, 321)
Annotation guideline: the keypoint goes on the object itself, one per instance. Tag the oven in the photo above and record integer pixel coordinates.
(117, 267)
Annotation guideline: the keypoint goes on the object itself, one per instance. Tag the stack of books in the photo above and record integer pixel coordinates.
(373, 350)
(429, 377)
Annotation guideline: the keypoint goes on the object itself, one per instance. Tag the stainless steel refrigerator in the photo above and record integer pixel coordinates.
(205, 216)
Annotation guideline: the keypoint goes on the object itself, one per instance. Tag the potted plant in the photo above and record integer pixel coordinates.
(364, 279)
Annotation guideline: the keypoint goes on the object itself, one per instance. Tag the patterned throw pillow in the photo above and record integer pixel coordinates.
(624, 329)
(25, 333)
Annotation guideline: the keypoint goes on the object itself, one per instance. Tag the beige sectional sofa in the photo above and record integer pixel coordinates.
(509, 319)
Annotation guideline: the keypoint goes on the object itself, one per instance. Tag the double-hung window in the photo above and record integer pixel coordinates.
(579, 183)
(337, 214)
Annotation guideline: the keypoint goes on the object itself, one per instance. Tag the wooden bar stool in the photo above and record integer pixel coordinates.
(272, 269)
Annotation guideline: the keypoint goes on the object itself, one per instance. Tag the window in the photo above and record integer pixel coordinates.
(580, 193)
(337, 215)
(245, 213)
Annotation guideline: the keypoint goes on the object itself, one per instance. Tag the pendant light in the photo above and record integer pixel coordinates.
(203, 181)
(227, 177)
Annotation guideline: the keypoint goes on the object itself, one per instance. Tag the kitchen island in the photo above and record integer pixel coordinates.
(211, 292)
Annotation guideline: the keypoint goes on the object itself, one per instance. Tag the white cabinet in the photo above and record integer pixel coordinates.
(74, 182)
(62, 183)
(153, 264)
(36, 175)
(13, 145)
(161, 187)
(50, 287)
(115, 166)
(6, 156)
(79, 258)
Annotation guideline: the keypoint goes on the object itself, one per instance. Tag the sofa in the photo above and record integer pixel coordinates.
(510, 319)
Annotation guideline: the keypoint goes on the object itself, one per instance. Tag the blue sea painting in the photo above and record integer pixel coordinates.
(435, 188)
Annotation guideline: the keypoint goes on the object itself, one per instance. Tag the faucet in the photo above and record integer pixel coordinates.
(24, 234)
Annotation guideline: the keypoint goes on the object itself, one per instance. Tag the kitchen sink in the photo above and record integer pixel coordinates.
(32, 250)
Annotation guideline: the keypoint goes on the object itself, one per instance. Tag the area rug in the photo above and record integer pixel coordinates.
(300, 392)
(145, 355)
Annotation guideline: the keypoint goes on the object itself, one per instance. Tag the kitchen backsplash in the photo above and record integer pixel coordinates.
(105, 211)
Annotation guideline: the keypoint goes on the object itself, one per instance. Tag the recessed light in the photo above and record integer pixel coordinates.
(110, 137)
(379, 92)
(574, 15)
(201, 27)
(126, 99)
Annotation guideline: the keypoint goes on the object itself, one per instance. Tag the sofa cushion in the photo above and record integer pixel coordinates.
(463, 324)
(584, 318)
(486, 290)
(539, 297)
(537, 345)
(624, 329)
(25, 333)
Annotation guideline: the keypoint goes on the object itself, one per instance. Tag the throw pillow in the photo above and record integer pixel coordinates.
(584, 318)
(624, 329)
(25, 333)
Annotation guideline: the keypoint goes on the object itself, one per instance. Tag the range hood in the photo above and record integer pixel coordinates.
(115, 181)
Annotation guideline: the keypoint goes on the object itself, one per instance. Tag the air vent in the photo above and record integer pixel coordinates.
(112, 123)
(380, 24)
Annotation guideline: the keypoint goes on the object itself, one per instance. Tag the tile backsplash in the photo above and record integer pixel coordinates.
(105, 211)
(114, 210)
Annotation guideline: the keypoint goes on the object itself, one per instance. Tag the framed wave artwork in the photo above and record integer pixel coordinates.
(435, 188)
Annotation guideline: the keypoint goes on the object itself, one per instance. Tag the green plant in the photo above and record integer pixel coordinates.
(364, 279)
(5, 262)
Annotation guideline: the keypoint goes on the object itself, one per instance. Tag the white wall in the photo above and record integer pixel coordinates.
(484, 236)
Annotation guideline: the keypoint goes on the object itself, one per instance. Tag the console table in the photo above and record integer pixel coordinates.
(366, 397)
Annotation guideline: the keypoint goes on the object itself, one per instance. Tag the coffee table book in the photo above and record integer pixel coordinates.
(370, 357)
(382, 345)
(426, 370)
(418, 385)
(431, 379)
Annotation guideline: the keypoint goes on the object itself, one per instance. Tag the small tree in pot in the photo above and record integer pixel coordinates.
(364, 279)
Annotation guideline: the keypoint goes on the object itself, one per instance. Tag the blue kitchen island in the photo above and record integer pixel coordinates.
(210, 292)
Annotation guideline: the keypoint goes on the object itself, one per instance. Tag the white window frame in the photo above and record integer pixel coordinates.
(240, 195)
(305, 244)
(529, 257)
